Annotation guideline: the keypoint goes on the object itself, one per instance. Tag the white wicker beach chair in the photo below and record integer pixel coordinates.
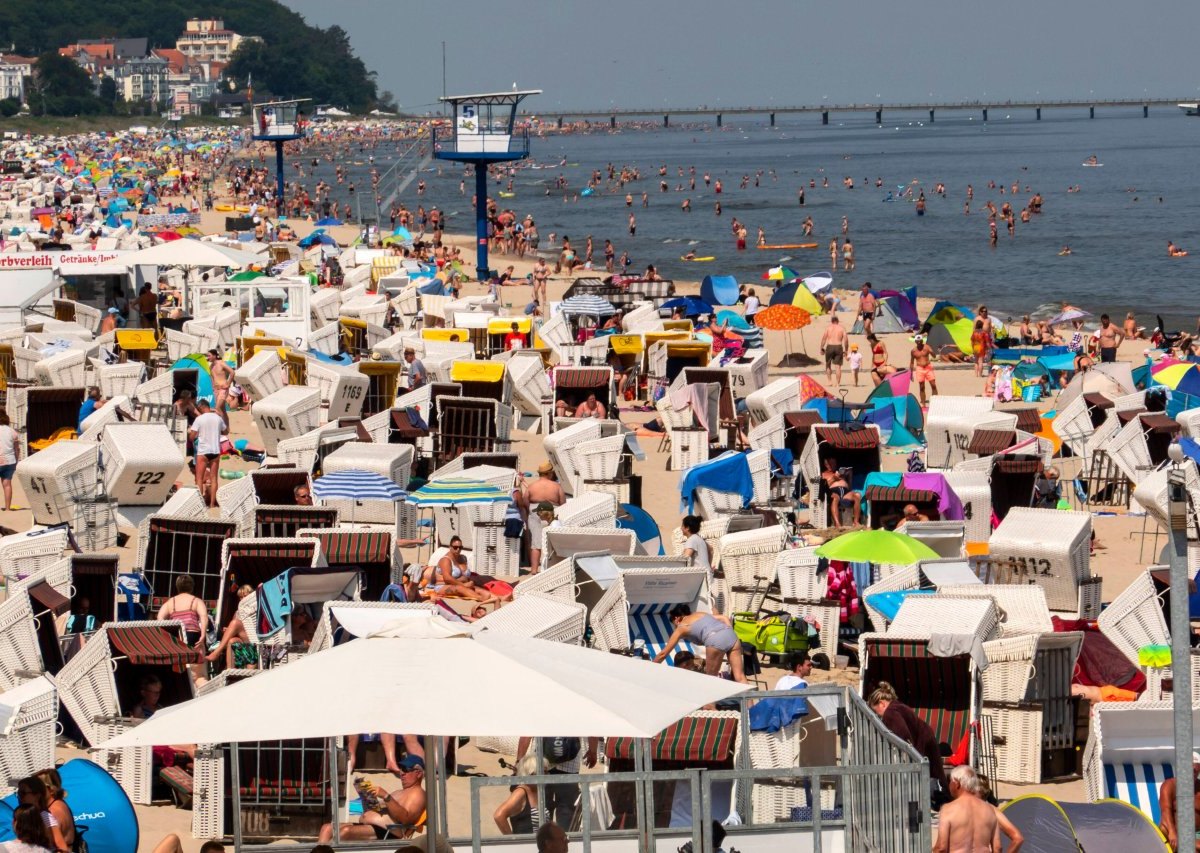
(749, 560)
(532, 395)
(975, 494)
(633, 612)
(206, 334)
(774, 398)
(948, 427)
(556, 582)
(802, 743)
(538, 615)
(560, 448)
(55, 479)
(599, 461)
(1021, 608)
(23, 554)
(260, 375)
(290, 412)
(1135, 618)
(28, 739)
(141, 463)
(768, 435)
(1050, 548)
(118, 380)
(393, 461)
(796, 571)
(62, 370)
(20, 656)
(588, 509)
(1130, 753)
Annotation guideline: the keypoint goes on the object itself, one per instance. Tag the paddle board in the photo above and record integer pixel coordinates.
(790, 246)
(507, 195)
(698, 260)
(1092, 165)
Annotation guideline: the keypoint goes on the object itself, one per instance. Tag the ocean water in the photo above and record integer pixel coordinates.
(1117, 224)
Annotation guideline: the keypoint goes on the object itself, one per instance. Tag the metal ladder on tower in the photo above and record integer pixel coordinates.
(404, 171)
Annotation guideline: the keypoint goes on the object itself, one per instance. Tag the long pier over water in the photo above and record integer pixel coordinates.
(825, 110)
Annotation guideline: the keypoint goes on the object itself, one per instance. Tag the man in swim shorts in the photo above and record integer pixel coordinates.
(833, 344)
(1108, 338)
(866, 308)
(920, 363)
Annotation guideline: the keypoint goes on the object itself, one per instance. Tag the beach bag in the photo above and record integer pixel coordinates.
(777, 633)
(560, 750)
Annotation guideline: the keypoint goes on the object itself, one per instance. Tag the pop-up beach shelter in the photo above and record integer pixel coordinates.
(1107, 826)
(951, 325)
(719, 290)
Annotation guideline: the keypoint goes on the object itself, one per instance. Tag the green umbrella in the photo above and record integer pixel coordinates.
(877, 546)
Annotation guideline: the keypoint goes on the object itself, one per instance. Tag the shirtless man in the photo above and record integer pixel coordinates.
(920, 364)
(833, 344)
(911, 513)
(866, 308)
(967, 824)
(1108, 338)
(545, 489)
(1167, 803)
(404, 807)
(222, 378)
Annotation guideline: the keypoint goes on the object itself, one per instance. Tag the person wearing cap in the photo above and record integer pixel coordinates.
(417, 374)
(108, 323)
(1166, 804)
(395, 814)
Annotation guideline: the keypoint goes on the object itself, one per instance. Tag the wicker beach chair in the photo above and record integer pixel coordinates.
(23, 554)
(1050, 548)
(118, 380)
(588, 509)
(749, 560)
(28, 739)
(532, 396)
(102, 680)
(1135, 618)
(975, 494)
(803, 743)
(1130, 753)
(768, 435)
(949, 423)
(633, 612)
(20, 655)
(774, 398)
(943, 690)
(260, 376)
(538, 615)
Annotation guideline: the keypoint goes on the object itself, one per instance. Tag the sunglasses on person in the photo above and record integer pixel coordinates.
(456, 547)
(302, 496)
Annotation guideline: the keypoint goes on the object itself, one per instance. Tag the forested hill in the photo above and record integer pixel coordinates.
(297, 60)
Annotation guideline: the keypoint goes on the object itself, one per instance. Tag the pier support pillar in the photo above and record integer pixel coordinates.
(931, 116)
(1038, 113)
(560, 122)
(985, 113)
(482, 273)
(612, 121)
(1091, 112)
(666, 121)
(772, 119)
(1145, 111)
(879, 116)
(719, 120)
(824, 116)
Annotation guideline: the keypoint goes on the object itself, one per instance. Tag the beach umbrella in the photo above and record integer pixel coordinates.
(780, 273)
(784, 318)
(587, 305)
(1181, 378)
(191, 253)
(168, 236)
(355, 485)
(877, 546)
(796, 294)
(819, 282)
(455, 491)
(692, 306)
(1068, 315)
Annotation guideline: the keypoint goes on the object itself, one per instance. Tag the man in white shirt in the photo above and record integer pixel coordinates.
(800, 666)
(205, 432)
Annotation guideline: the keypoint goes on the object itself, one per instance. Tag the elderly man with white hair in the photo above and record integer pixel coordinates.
(968, 823)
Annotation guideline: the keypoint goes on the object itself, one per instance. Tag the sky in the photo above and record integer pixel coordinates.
(651, 53)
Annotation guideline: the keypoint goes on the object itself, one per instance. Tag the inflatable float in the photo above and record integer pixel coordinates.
(789, 246)
(704, 259)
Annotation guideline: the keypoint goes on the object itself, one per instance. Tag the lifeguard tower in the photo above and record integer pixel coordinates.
(483, 133)
(279, 122)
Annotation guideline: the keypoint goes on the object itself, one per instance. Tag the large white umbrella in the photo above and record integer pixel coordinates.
(433, 677)
(191, 253)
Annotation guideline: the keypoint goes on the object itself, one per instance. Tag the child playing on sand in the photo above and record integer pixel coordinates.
(855, 362)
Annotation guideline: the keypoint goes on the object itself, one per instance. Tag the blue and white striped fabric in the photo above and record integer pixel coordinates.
(1138, 785)
(651, 624)
(587, 305)
(352, 485)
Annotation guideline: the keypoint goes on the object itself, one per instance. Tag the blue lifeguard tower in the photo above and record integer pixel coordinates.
(483, 133)
(279, 122)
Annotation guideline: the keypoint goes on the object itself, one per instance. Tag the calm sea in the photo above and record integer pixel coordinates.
(1117, 224)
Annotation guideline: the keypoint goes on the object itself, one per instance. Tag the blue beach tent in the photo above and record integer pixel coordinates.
(719, 290)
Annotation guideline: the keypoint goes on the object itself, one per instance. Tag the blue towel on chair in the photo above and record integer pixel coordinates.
(781, 462)
(274, 604)
(771, 715)
(729, 472)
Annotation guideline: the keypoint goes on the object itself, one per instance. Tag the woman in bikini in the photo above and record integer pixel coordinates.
(880, 369)
(451, 578)
(190, 611)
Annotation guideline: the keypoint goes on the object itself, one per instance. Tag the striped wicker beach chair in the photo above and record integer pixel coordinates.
(633, 612)
(1130, 753)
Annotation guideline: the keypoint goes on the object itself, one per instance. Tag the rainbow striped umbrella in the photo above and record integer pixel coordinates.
(456, 491)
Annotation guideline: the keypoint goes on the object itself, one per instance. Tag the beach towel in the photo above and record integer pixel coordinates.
(842, 588)
(782, 461)
(773, 714)
(729, 472)
(274, 604)
(949, 506)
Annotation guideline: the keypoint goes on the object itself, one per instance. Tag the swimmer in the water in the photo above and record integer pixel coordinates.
(1066, 250)
(1174, 251)
(690, 256)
